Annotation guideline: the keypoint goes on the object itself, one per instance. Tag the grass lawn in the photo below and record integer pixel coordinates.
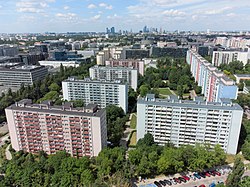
(133, 122)
(165, 91)
(133, 139)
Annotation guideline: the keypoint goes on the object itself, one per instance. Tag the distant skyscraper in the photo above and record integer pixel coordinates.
(112, 30)
(107, 30)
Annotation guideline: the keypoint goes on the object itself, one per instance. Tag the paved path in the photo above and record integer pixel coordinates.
(2, 139)
(7, 153)
(126, 133)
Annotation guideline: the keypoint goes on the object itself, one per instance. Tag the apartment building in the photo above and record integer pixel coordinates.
(126, 74)
(136, 64)
(8, 50)
(110, 53)
(37, 127)
(225, 57)
(99, 92)
(17, 75)
(215, 85)
(184, 122)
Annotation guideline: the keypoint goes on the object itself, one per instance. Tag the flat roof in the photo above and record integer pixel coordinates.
(43, 108)
(25, 68)
(242, 75)
(112, 67)
(191, 104)
(88, 80)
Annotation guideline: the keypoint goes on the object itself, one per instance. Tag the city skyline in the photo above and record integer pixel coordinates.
(95, 15)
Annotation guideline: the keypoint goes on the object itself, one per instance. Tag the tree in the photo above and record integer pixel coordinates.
(234, 177)
(245, 182)
(116, 121)
(180, 90)
(246, 150)
(144, 89)
(132, 100)
(78, 103)
(147, 140)
(54, 87)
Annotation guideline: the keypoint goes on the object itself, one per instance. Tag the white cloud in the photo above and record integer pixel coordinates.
(32, 6)
(217, 11)
(115, 16)
(96, 17)
(66, 7)
(91, 6)
(106, 6)
(67, 15)
(173, 13)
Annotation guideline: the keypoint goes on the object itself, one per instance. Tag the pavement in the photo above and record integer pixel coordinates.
(126, 133)
(4, 128)
(206, 181)
(7, 153)
(2, 139)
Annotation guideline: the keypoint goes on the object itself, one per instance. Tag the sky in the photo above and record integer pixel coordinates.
(22, 16)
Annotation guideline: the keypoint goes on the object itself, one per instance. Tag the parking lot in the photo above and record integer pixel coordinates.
(191, 183)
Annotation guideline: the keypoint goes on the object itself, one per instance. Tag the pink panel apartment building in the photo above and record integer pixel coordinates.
(136, 64)
(37, 127)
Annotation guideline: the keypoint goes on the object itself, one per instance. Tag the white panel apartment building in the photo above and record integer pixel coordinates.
(189, 122)
(126, 74)
(37, 127)
(103, 93)
(225, 57)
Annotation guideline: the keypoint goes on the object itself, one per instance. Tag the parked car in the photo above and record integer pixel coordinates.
(162, 183)
(221, 171)
(168, 182)
(177, 180)
(202, 175)
(197, 175)
(157, 184)
(211, 173)
(212, 185)
(186, 177)
(173, 182)
(182, 179)
(192, 177)
(202, 185)
(217, 173)
(207, 174)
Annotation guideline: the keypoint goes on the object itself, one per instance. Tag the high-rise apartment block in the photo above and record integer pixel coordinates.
(125, 74)
(8, 50)
(99, 92)
(215, 85)
(225, 57)
(136, 64)
(37, 127)
(183, 122)
(17, 75)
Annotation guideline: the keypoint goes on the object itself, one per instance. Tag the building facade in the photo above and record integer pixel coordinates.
(225, 57)
(37, 127)
(126, 74)
(18, 75)
(183, 122)
(100, 92)
(215, 85)
(136, 64)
